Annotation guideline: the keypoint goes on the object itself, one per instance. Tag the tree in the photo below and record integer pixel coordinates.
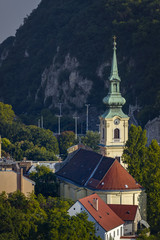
(66, 140)
(40, 154)
(92, 140)
(135, 152)
(151, 172)
(43, 137)
(5, 146)
(7, 115)
(41, 218)
(144, 166)
(45, 181)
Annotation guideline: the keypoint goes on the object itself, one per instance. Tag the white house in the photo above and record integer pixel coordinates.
(107, 223)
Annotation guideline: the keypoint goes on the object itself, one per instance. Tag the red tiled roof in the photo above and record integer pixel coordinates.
(81, 166)
(125, 212)
(117, 178)
(90, 169)
(106, 218)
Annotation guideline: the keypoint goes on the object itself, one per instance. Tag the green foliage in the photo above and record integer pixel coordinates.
(5, 143)
(135, 152)
(91, 139)
(66, 140)
(45, 181)
(40, 154)
(20, 140)
(151, 174)
(151, 237)
(7, 115)
(144, 166)
(41, 218)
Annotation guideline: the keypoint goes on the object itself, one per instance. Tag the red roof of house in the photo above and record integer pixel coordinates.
(92, 170)
(106, 218)
(125, 212)
(116, 178)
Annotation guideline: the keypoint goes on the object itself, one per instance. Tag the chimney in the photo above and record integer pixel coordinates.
(20, 179)
(95, 203)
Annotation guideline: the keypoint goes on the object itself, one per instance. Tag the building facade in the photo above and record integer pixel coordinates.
(113, 123)
(107, 224)
(11, 181)
(87, 172)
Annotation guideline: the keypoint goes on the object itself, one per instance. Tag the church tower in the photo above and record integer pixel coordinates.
(114, 123)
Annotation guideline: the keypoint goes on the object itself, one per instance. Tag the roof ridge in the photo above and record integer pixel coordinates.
(94, 170)
(67, 160)
(107, 171)
(104, 206)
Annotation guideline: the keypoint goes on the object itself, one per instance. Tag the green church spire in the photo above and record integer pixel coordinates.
(114, 69)
(114, 100)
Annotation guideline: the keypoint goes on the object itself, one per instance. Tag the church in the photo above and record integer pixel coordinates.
(114, 123)
(85, 172)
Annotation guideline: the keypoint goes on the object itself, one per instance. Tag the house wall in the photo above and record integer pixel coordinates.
(116, 233)
(28, 186)
(8, 181)
(128, 227)
(11, 181)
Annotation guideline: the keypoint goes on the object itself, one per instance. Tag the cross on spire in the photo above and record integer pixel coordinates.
(114, 38)
(114, 43)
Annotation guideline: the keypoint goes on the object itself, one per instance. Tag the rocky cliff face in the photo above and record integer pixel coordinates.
(65, 57)
(63, 82)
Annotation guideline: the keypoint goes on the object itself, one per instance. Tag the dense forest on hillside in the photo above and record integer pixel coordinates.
(83, 31)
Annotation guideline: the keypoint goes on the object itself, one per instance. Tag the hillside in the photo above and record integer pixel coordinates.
(62, 53)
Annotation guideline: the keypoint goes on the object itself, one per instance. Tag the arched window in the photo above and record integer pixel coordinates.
(116, 133)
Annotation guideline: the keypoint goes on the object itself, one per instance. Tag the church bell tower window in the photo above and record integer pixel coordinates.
(116, 133)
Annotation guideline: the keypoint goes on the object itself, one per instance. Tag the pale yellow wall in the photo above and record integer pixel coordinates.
(28, 186)
(114, 147)
(73, 192)
(109, 126)
(8, 181)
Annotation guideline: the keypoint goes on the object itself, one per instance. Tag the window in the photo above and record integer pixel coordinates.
(103, 134)
(121, 231)
(117, 232)
(116, 133)
(114, 234)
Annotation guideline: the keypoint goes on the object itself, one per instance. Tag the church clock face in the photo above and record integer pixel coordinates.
(116, 121)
